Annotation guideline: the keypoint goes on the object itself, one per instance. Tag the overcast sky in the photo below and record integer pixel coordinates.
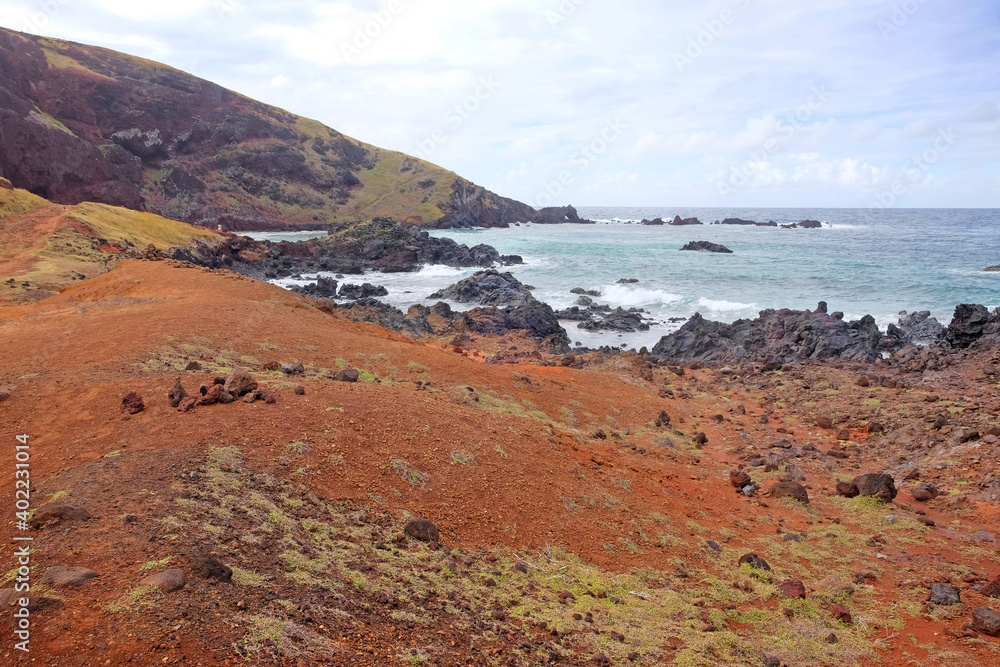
(645, 103)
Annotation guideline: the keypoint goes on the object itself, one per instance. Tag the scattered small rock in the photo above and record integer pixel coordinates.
(944, 595)
(300, 390)
(792, 588)
(987, 621)
(792, 490)
(879, 485)
(347, 375)
(848, 489)
(240, 383)
(842, 614)
(755, 562)
(62, 576)
(739, 479)
(53, 513)
(422, 529)
(168, 581)
(925, 491)
(132, 404)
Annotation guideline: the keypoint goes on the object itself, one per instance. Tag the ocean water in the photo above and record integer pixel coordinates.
(862, 261)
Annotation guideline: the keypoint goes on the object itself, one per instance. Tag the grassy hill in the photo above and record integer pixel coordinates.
(44, 246)
(81, 123)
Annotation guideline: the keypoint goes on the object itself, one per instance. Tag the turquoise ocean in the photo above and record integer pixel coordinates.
(863, 261)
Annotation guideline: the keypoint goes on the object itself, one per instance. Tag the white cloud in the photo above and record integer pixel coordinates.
(559, 83)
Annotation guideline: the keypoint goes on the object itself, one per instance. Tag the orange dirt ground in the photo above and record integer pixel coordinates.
(69, 360)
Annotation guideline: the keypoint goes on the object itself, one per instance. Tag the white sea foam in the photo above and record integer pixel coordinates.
(722, 306)
(629, 297)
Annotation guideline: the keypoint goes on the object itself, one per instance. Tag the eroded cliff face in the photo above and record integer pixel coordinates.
(81, 123)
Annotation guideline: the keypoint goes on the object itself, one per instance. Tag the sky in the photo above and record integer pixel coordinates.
(735, 103)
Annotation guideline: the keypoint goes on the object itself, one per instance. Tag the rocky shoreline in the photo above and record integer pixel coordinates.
(505, 305)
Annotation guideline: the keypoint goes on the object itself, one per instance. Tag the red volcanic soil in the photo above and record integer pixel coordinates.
(503, 459)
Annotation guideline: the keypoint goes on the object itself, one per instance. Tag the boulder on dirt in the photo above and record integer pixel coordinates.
(792, 490)
(792, 588)
(61, 576)
(300, 390)
(53, 513)
(701, 440)
(168, 581)
(422, 529)
(207, 566)
(986, 621)
(992, 590)
(176, 395)
(848, 489)
(842, 613)
(192, 367)
(347, 375)
(211, 396)
(187, 404)
(874, 484)
(663, 420)
(6, 392)
(755, 562)
(132, 404)
(739, 479)
(240, 383)
(944, 595)
(824, 421)
(925, 491)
